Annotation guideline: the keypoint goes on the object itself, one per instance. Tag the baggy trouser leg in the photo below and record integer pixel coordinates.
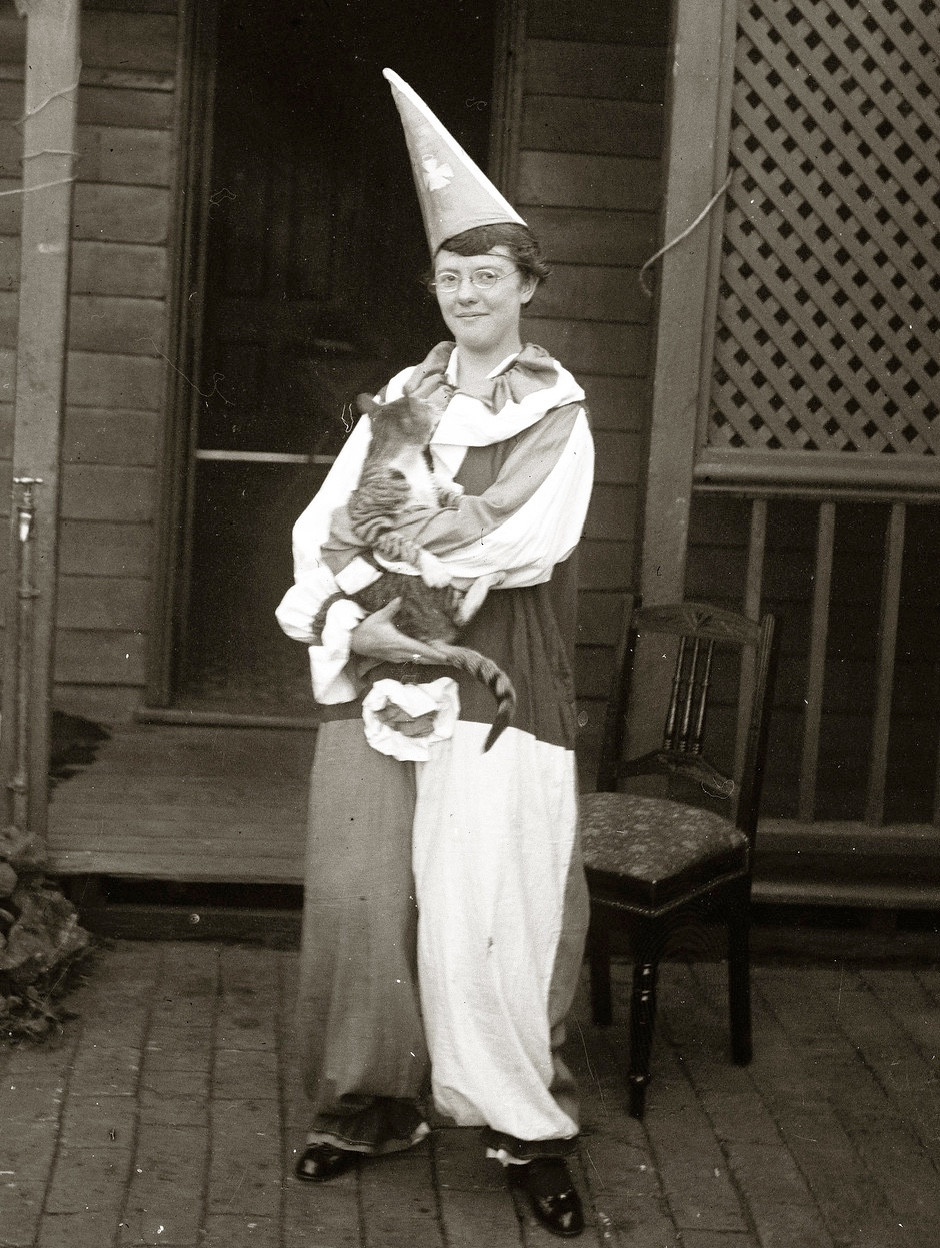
(359, 1030)
(503, 913)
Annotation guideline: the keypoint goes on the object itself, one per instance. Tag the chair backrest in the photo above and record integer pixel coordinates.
(697, 630)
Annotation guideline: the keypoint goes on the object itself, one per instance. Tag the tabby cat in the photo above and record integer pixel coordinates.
(397, 473)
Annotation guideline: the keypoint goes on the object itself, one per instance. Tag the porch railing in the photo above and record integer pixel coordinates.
(824, 504)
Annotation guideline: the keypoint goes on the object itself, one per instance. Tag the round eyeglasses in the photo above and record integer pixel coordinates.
(482, 279)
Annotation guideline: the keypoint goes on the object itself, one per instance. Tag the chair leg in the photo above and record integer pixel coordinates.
(598, 950)
(739, 983)
(642, 1021)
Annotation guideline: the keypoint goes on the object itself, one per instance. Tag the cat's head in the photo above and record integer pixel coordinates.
(406, 422)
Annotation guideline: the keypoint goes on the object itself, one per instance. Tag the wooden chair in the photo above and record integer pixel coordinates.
(653, 862)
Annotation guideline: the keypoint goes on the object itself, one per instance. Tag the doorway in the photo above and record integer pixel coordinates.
(313, 254)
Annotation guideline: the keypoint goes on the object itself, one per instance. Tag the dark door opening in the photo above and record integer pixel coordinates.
(313, 259)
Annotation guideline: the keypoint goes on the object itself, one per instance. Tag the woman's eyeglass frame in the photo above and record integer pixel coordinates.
(480, 279)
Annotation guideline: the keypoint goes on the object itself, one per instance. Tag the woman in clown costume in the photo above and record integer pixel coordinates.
(445, 904)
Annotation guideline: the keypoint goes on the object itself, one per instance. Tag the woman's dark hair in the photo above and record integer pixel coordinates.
(519, 241)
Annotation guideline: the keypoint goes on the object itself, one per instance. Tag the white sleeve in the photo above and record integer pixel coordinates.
(314, 583)
(545, 529)
(530, 518)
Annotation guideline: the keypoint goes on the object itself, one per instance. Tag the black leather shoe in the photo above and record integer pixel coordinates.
(320, 1162)
(552, 1195)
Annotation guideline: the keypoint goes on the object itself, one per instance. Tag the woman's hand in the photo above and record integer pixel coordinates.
(378, 638)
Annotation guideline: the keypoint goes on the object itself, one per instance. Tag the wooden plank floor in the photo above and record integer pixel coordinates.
(207, 804)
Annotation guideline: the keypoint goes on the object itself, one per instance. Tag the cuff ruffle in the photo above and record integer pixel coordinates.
(391, 712)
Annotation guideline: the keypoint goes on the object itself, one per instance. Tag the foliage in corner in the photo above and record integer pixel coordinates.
(41, 942)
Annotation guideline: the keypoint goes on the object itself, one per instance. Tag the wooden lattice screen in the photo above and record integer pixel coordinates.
(829, 299)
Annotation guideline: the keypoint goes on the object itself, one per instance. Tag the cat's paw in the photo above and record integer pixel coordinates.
(475, 596)
(434, 574)
(449, 498)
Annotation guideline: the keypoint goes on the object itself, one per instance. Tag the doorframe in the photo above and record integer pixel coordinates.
(196, 75)
(698, 116)
(697, 119)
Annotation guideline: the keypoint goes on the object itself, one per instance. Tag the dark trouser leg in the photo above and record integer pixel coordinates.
(360, 1036)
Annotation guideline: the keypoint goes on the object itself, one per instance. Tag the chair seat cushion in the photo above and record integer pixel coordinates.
(651, 851)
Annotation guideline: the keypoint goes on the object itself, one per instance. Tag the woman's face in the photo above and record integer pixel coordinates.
(483, 319)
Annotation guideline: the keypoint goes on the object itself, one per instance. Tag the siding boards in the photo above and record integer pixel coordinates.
(583, 236)
(9, 313)
(121, 214)
(110, 436)
(616, 127)
(106, 154)
(135, 6)
(588, 180)
(116, 380)
(618, 457)
(102, 322)
(99, 657)
(602, 292)
(99, 323)
(597, 559)
(119, 154)
(107, 492)
(616, 402)
(9, 263)
(144, 108)
(574, 180)
(600, 616)
(116, 269)
(615, 71)
(82, 604)
(111, 104)
(99, 549)
(612, 511)
(641, 23)
(594, 346)
(6, 437)
(124, 40)
(93, 380)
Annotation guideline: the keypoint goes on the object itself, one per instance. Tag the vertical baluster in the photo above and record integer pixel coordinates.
(669, 734)
(884, 678)
(695, 746)
(689, 692)
(818, 637)
(753, 587)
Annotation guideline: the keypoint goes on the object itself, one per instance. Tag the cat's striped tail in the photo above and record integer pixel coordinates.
(488, 673)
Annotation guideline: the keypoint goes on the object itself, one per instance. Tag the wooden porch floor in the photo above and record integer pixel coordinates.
(195, 804)
(191, 804)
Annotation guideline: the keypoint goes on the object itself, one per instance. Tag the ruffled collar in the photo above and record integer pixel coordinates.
(511, 381)
(521, 390)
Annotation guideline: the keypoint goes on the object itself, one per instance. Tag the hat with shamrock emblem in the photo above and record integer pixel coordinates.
(454, 193)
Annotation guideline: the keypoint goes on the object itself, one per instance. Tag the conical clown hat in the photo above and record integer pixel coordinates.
(454, 193)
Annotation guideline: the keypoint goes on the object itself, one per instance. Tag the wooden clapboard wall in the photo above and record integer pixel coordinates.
(587, 177)
(117, 337)
(585, 171)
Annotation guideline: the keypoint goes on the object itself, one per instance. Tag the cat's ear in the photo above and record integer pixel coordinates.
(366, 405)
(434, 404)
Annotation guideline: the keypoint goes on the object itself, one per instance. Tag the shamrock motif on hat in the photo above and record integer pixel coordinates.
(453, 191)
